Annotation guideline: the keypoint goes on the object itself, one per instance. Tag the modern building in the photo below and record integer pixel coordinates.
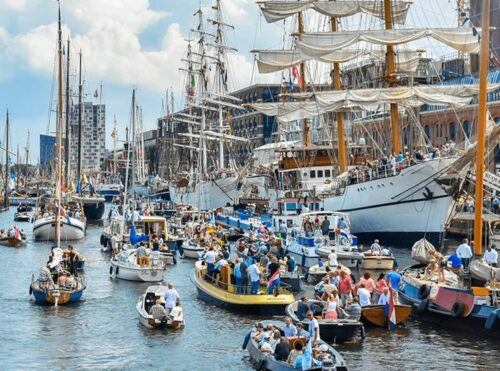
(47, 144)
(476, 14)
(93, 136)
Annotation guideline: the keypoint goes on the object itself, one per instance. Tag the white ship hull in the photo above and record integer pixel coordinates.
(207, 195)
(401, 208)
(45, 229)
(125, 272)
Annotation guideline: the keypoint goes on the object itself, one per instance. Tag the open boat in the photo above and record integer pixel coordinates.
(22, 217)
(317, 272)
(224, 294)
(125, 266)
(144, 304)
(377, 262)
(13, 237)
(46, 291)
(192, 249)
(266, 361)
(375, 314)
(332, 330)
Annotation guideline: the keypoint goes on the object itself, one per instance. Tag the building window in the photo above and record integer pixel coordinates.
(453, 130)
(466, 127)
(328, 174)
(320, 173)
(312, 174)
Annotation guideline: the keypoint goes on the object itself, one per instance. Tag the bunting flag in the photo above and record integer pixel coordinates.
(135, 238)
(96, 94)
(296, 74)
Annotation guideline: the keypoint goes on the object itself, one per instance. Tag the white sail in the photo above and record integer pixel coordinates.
(269, 61)
(318, 44)
(274, 11)
(369, 100)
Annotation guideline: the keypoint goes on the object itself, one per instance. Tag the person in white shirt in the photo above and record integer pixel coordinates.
(210, 257)
(135, 216)
(332, 259)
(464, 252)
(375, 248)
(364, 296)
(171, 297)
(176, 312)
(491, 256)
(384, 297)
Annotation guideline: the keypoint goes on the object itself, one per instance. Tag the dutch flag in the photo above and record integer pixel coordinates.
(390, 309)
(275, 279)
(60, 210)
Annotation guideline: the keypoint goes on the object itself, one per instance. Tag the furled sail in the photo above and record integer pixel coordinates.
(269, 61)
(318, 44)
(322, 102)
(274, 11)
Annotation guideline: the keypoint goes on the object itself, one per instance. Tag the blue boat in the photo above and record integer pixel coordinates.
(475, 309)
(46, 291)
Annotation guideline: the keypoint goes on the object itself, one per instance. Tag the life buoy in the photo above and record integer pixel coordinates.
(423, 292)
(295, 342)
(457, 310)
(422, 306)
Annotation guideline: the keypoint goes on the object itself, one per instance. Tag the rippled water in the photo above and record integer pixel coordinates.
(103, 331)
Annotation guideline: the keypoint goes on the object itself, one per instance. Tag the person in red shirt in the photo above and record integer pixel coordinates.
(369, 283)
(380, 287)
(345, 288)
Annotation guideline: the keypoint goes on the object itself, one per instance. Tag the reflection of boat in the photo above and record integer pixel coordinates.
(376, 315)
(223, 294)
(46, 291)
(377, 262)
(144, 304)
(125, 266)
(331, 330)
(266, 361)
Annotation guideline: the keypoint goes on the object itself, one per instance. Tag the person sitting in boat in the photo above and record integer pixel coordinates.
(282, 349)
(330, 306)
(11, 233)
(456, 263)
(295, 353)
(385, 251)
(384, 297)
(353, 309)
(431, 268)
(219, 263)
(302, 308)
(332, 260)
(61, 280)
(289, 329)
(176, 313)
(142, 256)
(158, 310)
(265, 344)
(375, 248)
(262, 333)
(491, 256)
(70, 282)
(258, 332)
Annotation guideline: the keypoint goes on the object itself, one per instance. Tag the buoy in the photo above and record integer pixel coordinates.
(423, 292)
(457, 310)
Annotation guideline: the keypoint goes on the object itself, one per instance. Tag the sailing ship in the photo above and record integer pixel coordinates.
(207, 112)
(397, 205)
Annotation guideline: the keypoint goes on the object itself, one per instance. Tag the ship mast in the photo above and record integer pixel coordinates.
(80, 112)
(67, 138)
(481, 127)
(7, 170)
(26, 160)
(391, 69)
(58, 130)
(305, 122)
(339, 117)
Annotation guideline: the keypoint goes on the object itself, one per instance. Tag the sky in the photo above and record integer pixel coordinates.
(130, 44)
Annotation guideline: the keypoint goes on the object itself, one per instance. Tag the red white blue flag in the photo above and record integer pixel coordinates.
(390, 309)
(60, 210)
(274, 280)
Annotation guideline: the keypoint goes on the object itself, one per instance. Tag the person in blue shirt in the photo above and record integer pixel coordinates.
(395, 279)
(254, 278)
(237, 275)
(456, 262)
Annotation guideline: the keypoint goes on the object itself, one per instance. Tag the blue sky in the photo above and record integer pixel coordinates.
(129, 43)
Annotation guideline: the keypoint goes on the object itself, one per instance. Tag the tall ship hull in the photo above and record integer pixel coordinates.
(401, 208)
(93, 207)
(44, 229)
(208, 194)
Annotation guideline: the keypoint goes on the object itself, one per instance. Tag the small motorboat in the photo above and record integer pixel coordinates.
(317, 272)
(192, 249)
(330, 357)
(376, 315)
(125, 266)
(24, 208)
(144, 304)
(56, 288)
(22, 217)
(332, 330)
(13, 237)
(377, 262)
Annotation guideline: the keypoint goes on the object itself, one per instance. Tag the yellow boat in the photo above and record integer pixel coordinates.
(223, 294)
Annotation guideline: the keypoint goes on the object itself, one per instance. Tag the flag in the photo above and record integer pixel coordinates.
(307, 356)
(17, 233)
(96, 94)
(11, 162)
(193, 80)
(61, 212)
(134, 238)
(296, 74)
(390, 309)
(274, 280)
(78, 186)
(92, 185)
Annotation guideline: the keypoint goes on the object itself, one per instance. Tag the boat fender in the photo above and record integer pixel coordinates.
(246, 340)
(490, 322)
(457, 310)
(117, 270)
(175, 260)
(261, 365)
(423, 292)
(102, 240)
(362, 332)
(31, 292)
(422, 306)
(111, 270)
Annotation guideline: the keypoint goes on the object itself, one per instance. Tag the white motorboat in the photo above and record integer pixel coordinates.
(192, 249)
(144, 304)
(125, 266)
(349, 257)
(377, 262)
(317, 272)
(44, 228)
(13, 237)
(303, 250)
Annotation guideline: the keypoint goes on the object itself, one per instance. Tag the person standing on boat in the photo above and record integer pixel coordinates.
(491, 256)
(313, 328)
(331, 306)
(244, 276)
(375, 248)
(210, 257)
(283, 229)
(171, 296)
(464, 252)
(254, 278)
(345, 288)
(363, 296)
(394, 278)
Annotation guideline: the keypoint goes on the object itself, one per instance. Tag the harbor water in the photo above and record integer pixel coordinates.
(103, 331)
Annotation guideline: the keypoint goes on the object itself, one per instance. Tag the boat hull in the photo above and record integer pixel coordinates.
(43, 297)
(45, 229)
(377, 263)
(94, 211)
(375, 314)
(137, 274)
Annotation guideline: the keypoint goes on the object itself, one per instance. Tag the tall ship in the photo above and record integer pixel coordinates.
(212, 180)
(392, 194)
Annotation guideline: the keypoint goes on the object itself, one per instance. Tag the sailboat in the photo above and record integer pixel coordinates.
(456, 301)
(4, 206)
(394, 205)
(208, 187)
(55, 284)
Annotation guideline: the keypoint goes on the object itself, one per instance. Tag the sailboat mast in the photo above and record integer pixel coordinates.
(66, 143)
(58, 130)
(27, 160)
(133, 138)
(391, 69)
(339, 117)
(6, 192)
(481, 127)
(305, 122)
(115, 144)
(80, 112)
(17, 168)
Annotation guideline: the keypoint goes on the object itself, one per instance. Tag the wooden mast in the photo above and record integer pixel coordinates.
(391, 69)
(340, 118)
(481, 128)
(26, 160)
(58, 129)
(7, 170)
(68, 107)
(80, 113)
(17, 168)
(305, 122)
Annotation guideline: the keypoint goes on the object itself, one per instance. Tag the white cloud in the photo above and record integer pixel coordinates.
(13, 4)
